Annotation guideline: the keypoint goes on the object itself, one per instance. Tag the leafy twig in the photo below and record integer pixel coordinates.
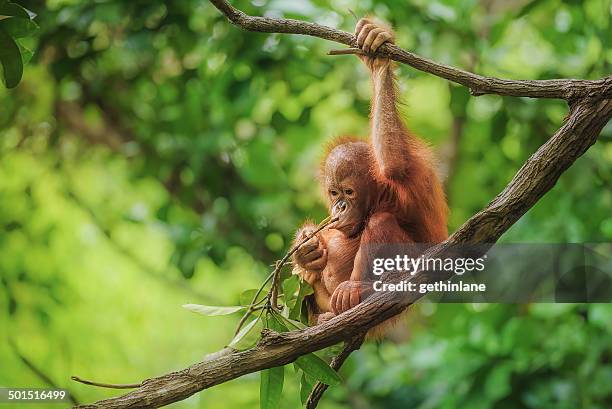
(278, 266)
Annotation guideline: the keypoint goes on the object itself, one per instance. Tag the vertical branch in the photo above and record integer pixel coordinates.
(319, 389)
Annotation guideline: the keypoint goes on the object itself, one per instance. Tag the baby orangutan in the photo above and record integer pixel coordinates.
(384, 191)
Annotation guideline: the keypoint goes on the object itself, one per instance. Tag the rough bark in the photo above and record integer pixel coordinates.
(478, 84)
(590, 110)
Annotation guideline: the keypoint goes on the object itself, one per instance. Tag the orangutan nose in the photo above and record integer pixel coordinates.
(340, 207)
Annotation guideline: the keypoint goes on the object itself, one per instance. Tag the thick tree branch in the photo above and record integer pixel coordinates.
(589, 113)
(568, 89)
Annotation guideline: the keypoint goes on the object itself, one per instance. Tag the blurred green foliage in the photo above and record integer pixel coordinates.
(154, 155)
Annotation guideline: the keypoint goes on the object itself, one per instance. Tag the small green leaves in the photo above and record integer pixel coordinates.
(318, 369)
(15, 22)
(211, 311)
(292, 291)
(271, 387)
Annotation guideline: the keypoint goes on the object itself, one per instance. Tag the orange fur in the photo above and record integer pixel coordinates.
(329, 146)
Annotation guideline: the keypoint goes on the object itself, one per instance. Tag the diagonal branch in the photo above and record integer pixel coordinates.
(591, 109)
(568, 89)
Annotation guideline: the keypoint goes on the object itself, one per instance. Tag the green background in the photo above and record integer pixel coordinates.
(154, 155)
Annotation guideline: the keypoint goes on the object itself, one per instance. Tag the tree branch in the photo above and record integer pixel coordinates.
(589, 113)
(568, 89)
(319, 389)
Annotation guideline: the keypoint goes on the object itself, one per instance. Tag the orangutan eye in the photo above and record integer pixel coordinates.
(348, 192)
(333, 192)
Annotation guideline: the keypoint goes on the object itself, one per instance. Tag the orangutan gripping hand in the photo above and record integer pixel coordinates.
(311, 257)
(370, 36)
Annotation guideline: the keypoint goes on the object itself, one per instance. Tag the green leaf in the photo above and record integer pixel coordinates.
(306, 385)
(271, 387)
(13, 10)
(290, 287)
(19, 27)
(291, 324)
(318, 369)
(26, 54)
(275, 323)
(246, 337)
(213, 311)
(327, 354)
(305, 290)
(246, 297)
(10, 59)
